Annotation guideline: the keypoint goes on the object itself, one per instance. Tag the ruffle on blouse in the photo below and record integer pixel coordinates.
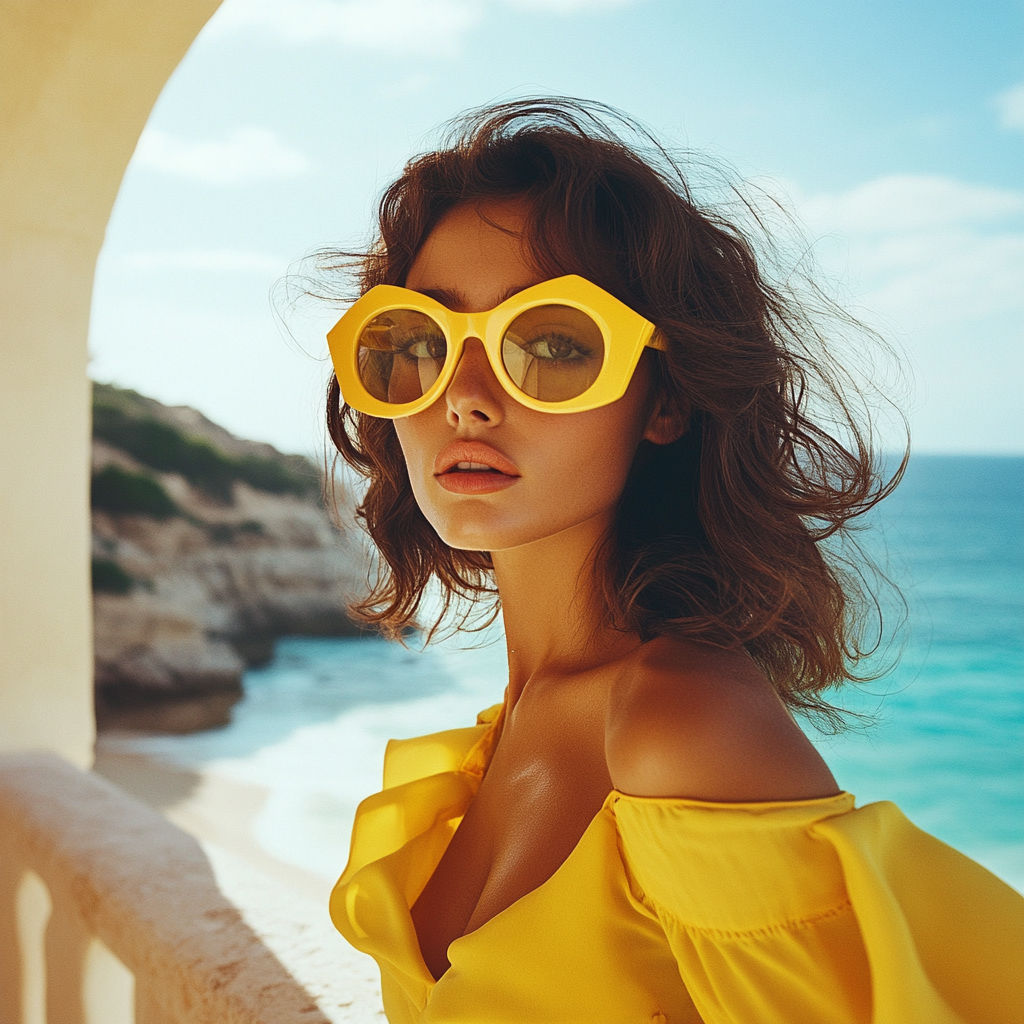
(815, 911)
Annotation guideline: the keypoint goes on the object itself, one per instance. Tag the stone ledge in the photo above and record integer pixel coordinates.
(148, 891)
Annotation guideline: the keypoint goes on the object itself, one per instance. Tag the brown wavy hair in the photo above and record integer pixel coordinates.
(730, 535)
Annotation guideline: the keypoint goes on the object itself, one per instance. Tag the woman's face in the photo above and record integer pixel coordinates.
(488, 473)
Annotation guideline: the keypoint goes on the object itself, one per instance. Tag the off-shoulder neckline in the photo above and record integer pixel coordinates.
(842, 796)
(478, 758)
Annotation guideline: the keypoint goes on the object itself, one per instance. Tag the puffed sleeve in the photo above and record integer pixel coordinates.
(812, 912)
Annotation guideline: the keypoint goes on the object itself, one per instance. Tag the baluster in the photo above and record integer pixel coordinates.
(108, 992)
(32, 908)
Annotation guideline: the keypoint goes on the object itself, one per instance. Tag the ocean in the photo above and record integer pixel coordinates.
(945, 739)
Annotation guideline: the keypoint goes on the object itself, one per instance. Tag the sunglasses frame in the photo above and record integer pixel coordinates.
(625, 332)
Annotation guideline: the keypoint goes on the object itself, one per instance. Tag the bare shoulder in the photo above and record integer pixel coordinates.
(689, 720)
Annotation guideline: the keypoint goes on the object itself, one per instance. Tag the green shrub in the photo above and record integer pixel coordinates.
(109, 578)
(164, 448)
(120, 418)
(292, 475)
(119, 490)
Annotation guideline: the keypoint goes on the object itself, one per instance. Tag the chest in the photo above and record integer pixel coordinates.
(545, 784)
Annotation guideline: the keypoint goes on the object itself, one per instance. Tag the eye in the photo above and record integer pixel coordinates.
(553, 353)
(422, 346)
(553, 346)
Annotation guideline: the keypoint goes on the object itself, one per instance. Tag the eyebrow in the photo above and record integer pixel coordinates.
(453, 299)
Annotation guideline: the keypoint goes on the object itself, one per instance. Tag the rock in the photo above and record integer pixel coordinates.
(189, 591)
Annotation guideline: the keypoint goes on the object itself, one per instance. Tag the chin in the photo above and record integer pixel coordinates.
(496, 523)
(476, 537)
(480, 529)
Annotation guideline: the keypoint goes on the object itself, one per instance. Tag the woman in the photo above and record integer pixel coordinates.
(572, 389)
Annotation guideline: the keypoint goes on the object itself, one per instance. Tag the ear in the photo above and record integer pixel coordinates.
(667, 423)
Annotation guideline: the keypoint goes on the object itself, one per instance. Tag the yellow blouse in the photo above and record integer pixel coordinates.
(681, 912)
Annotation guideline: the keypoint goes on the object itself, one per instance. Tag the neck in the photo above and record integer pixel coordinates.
(551, 613)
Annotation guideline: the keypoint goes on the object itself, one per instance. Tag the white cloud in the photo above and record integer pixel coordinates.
(942, 261)
(927, 250)
(246, 155)
(910, 202)
(939, 279)
(229, 261)
(396, 27)
(1011, 108)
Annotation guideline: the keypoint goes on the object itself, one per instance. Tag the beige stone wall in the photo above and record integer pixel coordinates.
(78, 79)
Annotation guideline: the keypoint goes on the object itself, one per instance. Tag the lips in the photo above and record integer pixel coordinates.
(473, 457)
(472, 467)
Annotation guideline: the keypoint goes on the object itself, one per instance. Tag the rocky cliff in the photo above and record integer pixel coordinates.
(205, 548)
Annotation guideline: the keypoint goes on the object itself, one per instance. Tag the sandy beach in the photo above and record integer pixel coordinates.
(284, 904)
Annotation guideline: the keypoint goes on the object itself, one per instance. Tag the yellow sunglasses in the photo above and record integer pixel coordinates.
(565, 345)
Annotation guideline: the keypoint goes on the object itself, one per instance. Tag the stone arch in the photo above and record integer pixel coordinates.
(78, 79)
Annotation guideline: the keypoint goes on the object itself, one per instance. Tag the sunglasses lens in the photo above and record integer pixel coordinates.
(553, 353)
(401, 353)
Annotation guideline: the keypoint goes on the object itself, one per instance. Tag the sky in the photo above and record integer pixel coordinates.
(893, 130)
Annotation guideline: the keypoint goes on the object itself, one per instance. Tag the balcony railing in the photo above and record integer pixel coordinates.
(110, 914)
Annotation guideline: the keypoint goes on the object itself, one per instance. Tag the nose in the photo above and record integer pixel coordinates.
(474, 394)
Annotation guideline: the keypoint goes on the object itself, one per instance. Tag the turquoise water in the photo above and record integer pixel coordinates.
(948, 744)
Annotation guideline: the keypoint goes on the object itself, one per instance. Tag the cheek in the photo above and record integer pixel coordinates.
(603, 442)
(592, 457)
(415, 435)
